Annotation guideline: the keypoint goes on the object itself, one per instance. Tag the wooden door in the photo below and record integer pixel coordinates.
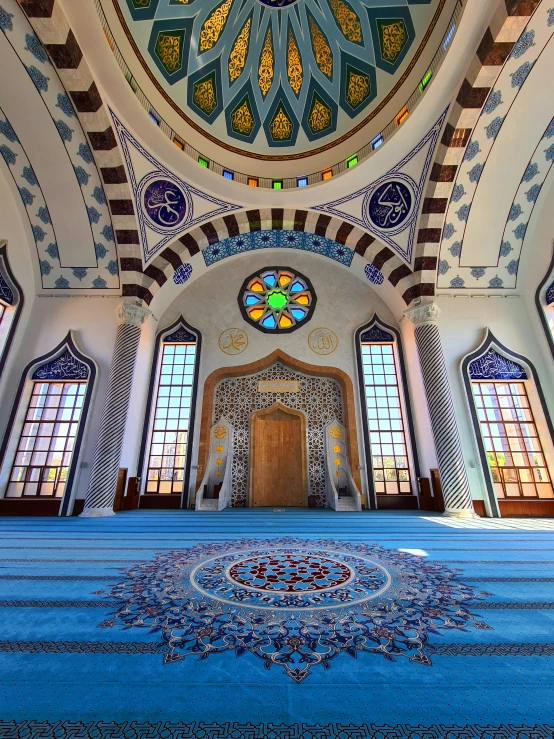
(278, 474)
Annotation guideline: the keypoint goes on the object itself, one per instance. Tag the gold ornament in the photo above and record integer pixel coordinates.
(233, 341)
(335, 432)
(242, 119)
(237, 57)
(219, 461)
(220, 432)
(265, 69)
(320, 117)
(337, 461)
(218, 474)
(281, 127)
(214, 25)
(322, 50)
(219, 448)
(394, 38)
(294, 64)
(358, 89)
(336, 448)
(168, 49)
(348, 21)
(204, 96)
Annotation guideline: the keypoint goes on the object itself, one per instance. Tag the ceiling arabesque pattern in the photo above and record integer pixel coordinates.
(276, 74)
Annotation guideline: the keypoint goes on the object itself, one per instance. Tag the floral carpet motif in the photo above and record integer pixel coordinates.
(294, 603)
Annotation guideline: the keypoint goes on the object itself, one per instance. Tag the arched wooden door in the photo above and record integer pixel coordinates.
(278, 473)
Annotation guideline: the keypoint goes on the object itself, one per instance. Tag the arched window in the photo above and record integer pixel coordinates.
(11, 305)
(164, 457)
(508, 411)
(41, 450)
(390, 449)
(544, 301)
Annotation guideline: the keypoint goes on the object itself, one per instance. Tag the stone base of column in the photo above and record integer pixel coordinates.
(97, 513)
(460, 514)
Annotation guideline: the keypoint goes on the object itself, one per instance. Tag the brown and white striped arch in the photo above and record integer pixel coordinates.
(502, 33)
(143, 284)
(53, 30)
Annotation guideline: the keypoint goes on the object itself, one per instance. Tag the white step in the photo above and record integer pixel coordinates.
(209, 504)
(346, 504)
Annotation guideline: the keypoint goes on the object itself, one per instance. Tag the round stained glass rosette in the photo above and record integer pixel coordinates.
(277, 299)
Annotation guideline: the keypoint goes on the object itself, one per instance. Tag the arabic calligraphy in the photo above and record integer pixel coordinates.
(165, 203)
(323, 341)
(493, 366)
(390, 205)
(233, 341)
(278, 386)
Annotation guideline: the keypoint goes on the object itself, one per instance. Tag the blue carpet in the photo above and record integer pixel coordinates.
(253, 624)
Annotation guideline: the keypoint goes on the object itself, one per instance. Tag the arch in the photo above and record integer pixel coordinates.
(377, 330)
(490, 344)
(544, 297)
(278, 355)
(180, 330)
(278, 410)
(66, 360)
(10, 286)
(145, 283)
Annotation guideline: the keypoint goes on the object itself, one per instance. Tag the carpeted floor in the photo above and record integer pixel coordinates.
(258, 624)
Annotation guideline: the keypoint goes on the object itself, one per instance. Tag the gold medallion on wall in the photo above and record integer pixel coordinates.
(323, 341)
(233, 341)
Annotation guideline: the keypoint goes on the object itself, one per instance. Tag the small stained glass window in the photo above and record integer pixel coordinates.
(277, 299)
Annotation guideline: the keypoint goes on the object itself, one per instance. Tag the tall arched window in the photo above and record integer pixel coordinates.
(40, 451)
(164, 458)
(544, 301)
(11, 305)
(390, 450)
(508, 411)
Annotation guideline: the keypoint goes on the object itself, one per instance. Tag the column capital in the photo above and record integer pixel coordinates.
(131, 314)
(423, 313)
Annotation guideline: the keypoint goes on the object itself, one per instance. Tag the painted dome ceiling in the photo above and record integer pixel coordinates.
(260, 77)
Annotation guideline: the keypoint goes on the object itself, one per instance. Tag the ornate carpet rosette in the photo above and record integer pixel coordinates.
(294, 603)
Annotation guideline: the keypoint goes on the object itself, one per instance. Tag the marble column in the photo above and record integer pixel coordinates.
(105, 467)
(455, 485)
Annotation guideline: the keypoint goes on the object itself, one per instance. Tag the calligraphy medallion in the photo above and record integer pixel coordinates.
(164, 203)
(390, 207)
(323, 341)
(233, 341)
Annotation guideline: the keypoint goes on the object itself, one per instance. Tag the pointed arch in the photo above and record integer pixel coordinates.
(66, 362)
(515, 368)
(178, 332)
(11, 296)
(544, 301)
(378, 331)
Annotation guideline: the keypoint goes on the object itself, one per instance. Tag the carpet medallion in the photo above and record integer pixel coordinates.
(296, 604)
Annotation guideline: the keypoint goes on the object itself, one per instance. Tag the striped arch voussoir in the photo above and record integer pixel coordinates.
(53, 30)
(145, 284)
(502, 33)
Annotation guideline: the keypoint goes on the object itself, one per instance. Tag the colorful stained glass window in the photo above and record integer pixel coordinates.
(277, 299)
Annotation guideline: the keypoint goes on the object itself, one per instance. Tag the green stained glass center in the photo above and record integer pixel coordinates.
(277, 300)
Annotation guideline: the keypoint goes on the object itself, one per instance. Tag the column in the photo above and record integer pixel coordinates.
(105, 467)
(455, 485)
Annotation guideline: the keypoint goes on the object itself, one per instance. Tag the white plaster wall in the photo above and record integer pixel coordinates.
(344, 304)
(462, 324)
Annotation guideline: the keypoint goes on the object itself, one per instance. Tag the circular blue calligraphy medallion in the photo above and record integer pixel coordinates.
(277, 3)
(164, 203)
(390, 205)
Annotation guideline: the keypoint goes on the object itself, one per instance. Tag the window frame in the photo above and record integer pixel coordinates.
(11, 313)
(150, 408)
(405, 405)
(537, 402)
(17, 420)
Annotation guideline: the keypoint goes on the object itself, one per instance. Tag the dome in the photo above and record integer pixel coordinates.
(279, 79)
